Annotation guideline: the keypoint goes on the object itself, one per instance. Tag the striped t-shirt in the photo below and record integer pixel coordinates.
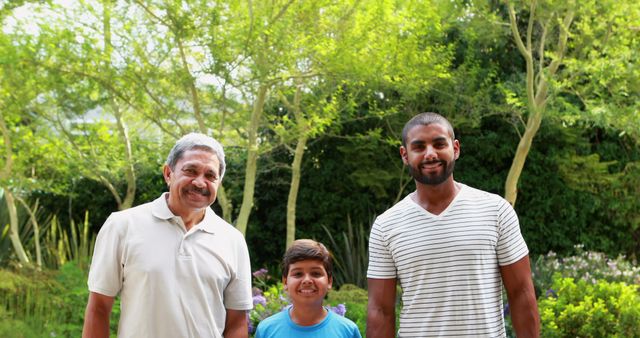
(448, 264)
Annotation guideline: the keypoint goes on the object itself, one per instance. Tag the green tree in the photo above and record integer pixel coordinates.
(338, 49)
(574, 49)
(80, 92)
(28, 160)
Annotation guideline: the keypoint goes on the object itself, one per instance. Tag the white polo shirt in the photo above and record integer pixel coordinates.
(172, 283)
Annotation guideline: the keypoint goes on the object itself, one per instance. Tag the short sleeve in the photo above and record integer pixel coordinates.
(356, 331)
(381, 263)
(237, 294)
(105, 273)
(511, 246)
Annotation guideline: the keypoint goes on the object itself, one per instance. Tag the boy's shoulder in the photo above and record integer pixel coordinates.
(343, 321)
(279, 317)
(270, 326)
(340, 326)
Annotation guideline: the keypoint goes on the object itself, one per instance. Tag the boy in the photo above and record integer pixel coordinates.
(307, 275)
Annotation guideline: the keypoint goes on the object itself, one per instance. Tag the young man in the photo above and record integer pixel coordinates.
(307, 275)
(451, 247)
(180, 270)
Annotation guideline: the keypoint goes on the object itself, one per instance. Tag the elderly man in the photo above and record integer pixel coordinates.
(180, 270)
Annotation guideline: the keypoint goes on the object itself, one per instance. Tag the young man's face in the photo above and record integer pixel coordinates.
(194, 182)
(307, 282)
(430, 153)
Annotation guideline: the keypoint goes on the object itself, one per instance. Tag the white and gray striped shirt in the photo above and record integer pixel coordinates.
(448, 264)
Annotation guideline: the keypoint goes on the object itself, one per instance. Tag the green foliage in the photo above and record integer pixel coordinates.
(355, 299)
(60, 90)
(583, 309)
(46, 303)
(73, 245)
(588, 266)
(36, 299)
(59, 243)
(267, 303)
(350, 255)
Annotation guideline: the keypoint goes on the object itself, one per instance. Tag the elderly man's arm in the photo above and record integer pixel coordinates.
(381, 311)
(522, 298)
(236, 324)
(96, 317)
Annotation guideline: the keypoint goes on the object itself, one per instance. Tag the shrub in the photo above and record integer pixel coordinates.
(355, 300)
(584, 265)
(30, 298)
(266, 303)
(350, 254)
(585, 309)
(48, 303)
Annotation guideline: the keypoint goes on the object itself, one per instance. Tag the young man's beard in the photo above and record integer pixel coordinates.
(435, 179)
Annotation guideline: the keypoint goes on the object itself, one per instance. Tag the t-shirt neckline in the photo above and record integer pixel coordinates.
(293, 324)
(463, 188)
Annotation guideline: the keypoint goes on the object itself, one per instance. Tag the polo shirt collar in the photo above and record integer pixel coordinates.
(160, 209)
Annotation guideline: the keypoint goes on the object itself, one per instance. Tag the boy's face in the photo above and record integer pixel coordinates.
(307, 282)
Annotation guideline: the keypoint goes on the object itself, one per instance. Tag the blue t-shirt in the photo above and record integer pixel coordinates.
(280, 325)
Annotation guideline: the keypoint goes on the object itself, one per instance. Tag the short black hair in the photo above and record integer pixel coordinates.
(307, 249)
(425, 119)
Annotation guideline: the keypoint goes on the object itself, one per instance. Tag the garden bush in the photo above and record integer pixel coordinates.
(355, 301)
(584, 265)
(585, 309)
(46, 303)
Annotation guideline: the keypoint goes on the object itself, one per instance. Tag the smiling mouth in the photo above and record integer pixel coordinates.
(201, 192)
(431, 166)
(307, 291)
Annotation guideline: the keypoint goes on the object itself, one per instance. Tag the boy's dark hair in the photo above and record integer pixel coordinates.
(307, 249)
(426, 119)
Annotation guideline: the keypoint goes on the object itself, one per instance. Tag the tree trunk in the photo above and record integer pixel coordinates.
(225, 204)
(511, 184)
(294, 188)
(14, 232)
(130, 173)
(252, 157)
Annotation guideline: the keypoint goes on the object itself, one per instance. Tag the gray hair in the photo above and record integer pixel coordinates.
(426, 119)
(196, 141)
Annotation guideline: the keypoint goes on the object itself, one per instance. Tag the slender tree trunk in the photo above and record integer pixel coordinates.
(112, 189)
(225, 204)
(130, 173)
(14, 232)
(252, 156)
(511, 184)
(294, 188)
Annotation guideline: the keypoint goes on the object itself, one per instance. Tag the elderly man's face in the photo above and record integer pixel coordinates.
(194, 181)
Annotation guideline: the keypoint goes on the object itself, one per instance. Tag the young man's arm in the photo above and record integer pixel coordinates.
(96, 317)
(381, 311)
(522, 298)
(235, 325)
